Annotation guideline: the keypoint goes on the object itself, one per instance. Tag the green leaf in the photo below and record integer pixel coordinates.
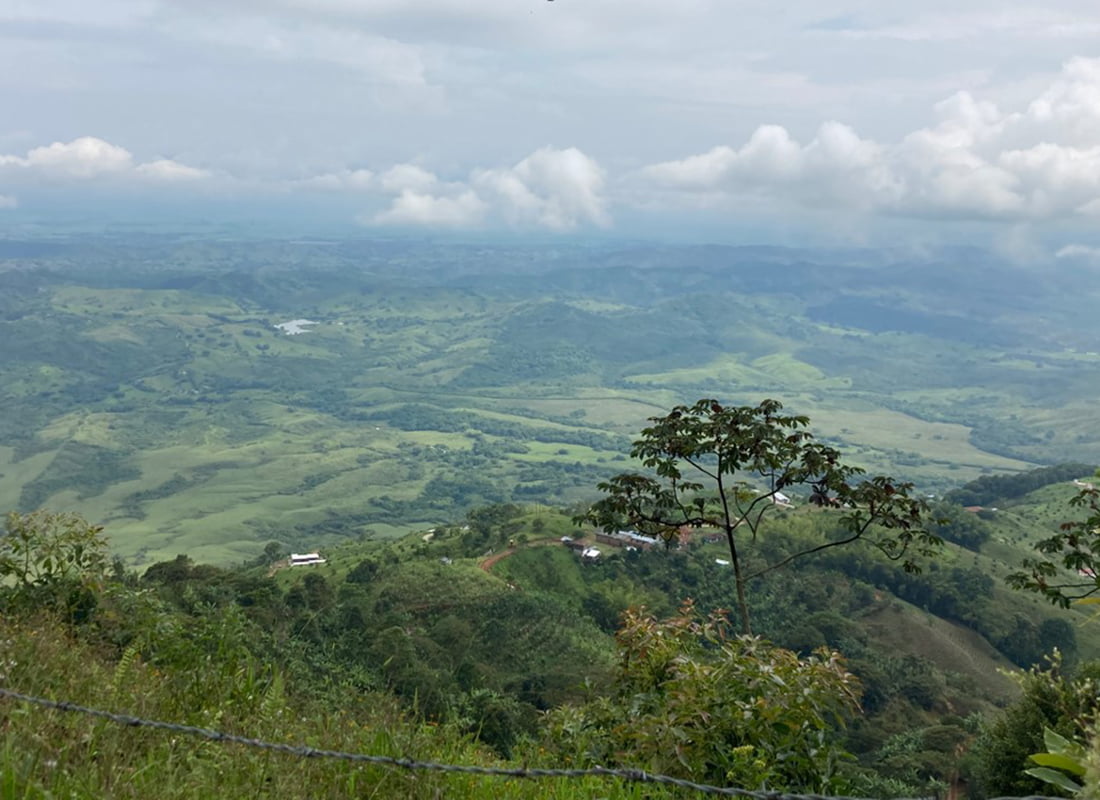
(1055, 778)
(1059, 761)
(1056, 743)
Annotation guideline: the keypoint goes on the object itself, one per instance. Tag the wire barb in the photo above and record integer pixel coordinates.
(302, 751)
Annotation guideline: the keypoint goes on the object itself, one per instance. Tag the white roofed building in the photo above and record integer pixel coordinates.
(304, 559)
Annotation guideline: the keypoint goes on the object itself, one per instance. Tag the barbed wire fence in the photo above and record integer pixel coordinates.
(412, 765)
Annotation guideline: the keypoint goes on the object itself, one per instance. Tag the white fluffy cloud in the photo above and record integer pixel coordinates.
(85, 157)
(837, 165)
(420, 198)
(8, 201)
(88, 158)
(1034, 159)
(463, 210)
(554, 189)
(976, 162)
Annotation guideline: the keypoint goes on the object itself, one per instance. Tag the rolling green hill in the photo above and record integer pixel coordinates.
(495, 602)
(487, 640)
(144, 381)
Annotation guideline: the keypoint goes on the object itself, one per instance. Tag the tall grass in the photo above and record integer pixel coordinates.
(54, 754)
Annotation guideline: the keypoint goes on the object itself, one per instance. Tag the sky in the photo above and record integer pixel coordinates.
(853, 122)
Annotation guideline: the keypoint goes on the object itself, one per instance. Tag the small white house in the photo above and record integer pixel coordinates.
(304, 559)
(590, 553)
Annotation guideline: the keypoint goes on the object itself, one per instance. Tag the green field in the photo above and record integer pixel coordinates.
(144, 383)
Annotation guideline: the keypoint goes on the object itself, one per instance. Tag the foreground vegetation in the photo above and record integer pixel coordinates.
(108, 641)
(429, 648)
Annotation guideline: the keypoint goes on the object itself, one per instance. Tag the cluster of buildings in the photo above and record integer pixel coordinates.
(627, 539)
(630, 540)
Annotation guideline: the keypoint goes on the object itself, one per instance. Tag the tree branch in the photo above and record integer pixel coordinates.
(694, 522)
(747, 511)
(705, 471)
(857, 535)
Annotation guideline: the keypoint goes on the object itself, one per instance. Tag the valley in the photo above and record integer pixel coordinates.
(147, 383)
(432, 420)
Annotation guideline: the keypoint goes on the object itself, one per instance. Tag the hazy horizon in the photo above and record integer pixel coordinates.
(835, 123)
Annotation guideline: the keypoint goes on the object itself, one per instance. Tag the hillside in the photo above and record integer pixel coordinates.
(471, 641)
(146, 384)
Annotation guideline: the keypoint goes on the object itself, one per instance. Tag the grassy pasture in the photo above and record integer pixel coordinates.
(902, 629)
(947, 443)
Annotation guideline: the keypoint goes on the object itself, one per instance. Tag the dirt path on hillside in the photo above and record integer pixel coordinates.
(488, 563)
(491, 561)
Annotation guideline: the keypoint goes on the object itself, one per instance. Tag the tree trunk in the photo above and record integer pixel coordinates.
(742, 603)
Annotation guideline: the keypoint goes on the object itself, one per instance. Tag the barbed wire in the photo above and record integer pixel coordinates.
(303, 751)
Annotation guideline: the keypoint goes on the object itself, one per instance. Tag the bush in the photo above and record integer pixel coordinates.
(52, 560)
(1049, 700)
(690, 702)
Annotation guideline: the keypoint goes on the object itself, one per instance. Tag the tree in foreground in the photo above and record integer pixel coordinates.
(725, 468)
(1068, 566)
(1054, 710)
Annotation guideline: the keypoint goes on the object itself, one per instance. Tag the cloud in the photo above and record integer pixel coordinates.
(485, 24)
(1079, 252)
(1032, 160)
(345, 180)
(975, 162)
(392, 71)
(103, 13)
(422, 199)
(165, 169)
(88, 158)
(836, 166)
(408, 177)
(8, 201)
(463, 210)
(554, 189)
(1034, 23)
(1069, 109)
